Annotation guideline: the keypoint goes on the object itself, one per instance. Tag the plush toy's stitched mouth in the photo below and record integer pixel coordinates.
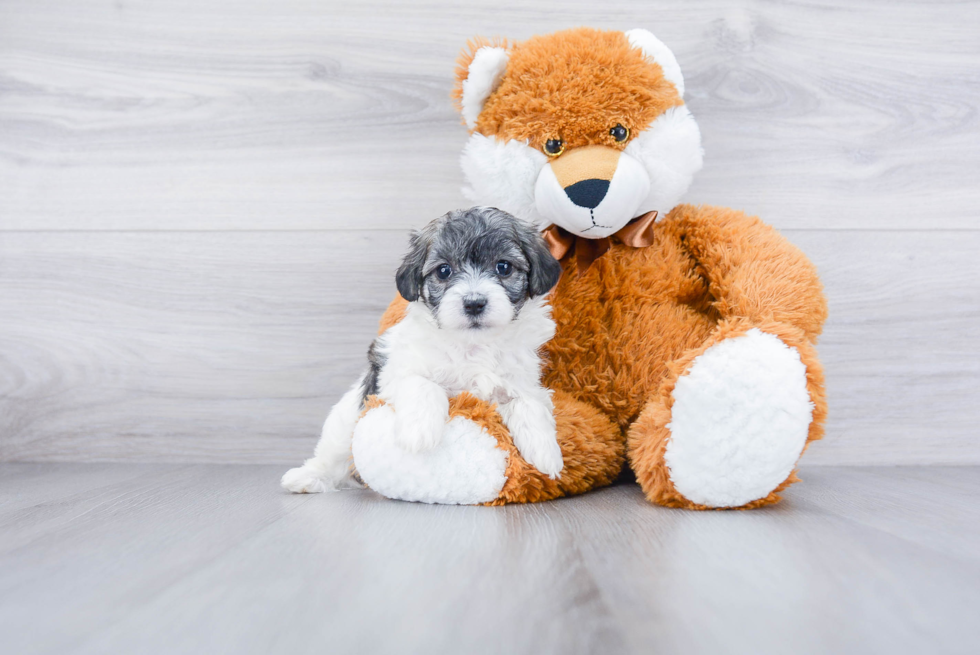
(594, 224)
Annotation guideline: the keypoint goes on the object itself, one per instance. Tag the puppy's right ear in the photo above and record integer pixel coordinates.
(479, 71)
(545, 269)
(409, 277)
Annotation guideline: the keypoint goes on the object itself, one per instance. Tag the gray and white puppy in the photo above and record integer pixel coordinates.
(476, 320)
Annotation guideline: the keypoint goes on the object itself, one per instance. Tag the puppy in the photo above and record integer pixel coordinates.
(475, 280)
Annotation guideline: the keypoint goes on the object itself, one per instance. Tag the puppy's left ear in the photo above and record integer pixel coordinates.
(545, 269)
(409, 277)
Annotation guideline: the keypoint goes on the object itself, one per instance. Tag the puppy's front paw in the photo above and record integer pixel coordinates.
(532, 426)
(544, 454)
(416, 431)
(303, 480)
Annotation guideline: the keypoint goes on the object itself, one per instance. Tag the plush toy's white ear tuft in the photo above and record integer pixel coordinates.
(483, 77)
(656, 51)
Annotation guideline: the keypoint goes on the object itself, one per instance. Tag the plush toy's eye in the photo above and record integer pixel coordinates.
(620, 133)
(554, 147)
(444, 271)
(504, 268)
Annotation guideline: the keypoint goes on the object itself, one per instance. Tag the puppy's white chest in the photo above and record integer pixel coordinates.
(477, 370)
(496, 366)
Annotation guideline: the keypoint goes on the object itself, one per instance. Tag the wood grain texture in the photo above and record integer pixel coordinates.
(230, 347)
(201, 205)
(297, 114)
(183, 346)
(162, 559)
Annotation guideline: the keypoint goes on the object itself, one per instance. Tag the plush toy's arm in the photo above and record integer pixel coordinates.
(752, 271)
(735, 412)
(591, 445)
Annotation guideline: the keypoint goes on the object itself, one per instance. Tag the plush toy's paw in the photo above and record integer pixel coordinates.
(465, 467)
(739, 421)
(304, 480)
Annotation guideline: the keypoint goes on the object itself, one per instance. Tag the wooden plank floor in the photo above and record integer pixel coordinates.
(127, 558)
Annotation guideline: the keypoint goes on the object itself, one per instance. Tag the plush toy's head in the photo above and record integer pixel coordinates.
(583, 129)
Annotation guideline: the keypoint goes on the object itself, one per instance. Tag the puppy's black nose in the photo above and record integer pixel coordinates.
(587, 193)
(474, 305)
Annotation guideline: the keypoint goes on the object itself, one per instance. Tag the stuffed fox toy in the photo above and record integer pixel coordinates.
(685, 334)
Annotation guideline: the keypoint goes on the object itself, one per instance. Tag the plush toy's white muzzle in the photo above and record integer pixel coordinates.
(651, 173)
(592, 191)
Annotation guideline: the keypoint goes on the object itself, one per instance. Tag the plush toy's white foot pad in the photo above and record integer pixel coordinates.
(739, 422)
(465, 468)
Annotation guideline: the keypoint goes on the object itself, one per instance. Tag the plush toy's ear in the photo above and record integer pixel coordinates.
(656, 51)
(481, 67)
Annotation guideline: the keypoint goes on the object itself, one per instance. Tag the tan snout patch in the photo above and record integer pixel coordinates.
(585, 163)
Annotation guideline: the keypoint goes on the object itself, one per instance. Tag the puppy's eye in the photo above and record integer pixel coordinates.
(619, 133)
(504, 268)
(444, 271)
(554, 147)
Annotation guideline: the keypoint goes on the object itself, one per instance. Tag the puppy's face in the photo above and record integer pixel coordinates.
(476, 268)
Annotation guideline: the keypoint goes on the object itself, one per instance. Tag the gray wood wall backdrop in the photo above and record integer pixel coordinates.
(202, 204)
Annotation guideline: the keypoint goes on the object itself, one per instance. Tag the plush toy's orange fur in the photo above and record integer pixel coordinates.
(549, 91)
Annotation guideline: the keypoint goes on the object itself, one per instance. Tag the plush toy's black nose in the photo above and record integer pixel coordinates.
(587, 193)
(474, 305)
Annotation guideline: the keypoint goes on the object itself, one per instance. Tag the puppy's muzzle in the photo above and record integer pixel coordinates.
(585, 173)
(474, 305)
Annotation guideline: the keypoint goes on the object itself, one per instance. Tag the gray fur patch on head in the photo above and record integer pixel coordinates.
(482, 245)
